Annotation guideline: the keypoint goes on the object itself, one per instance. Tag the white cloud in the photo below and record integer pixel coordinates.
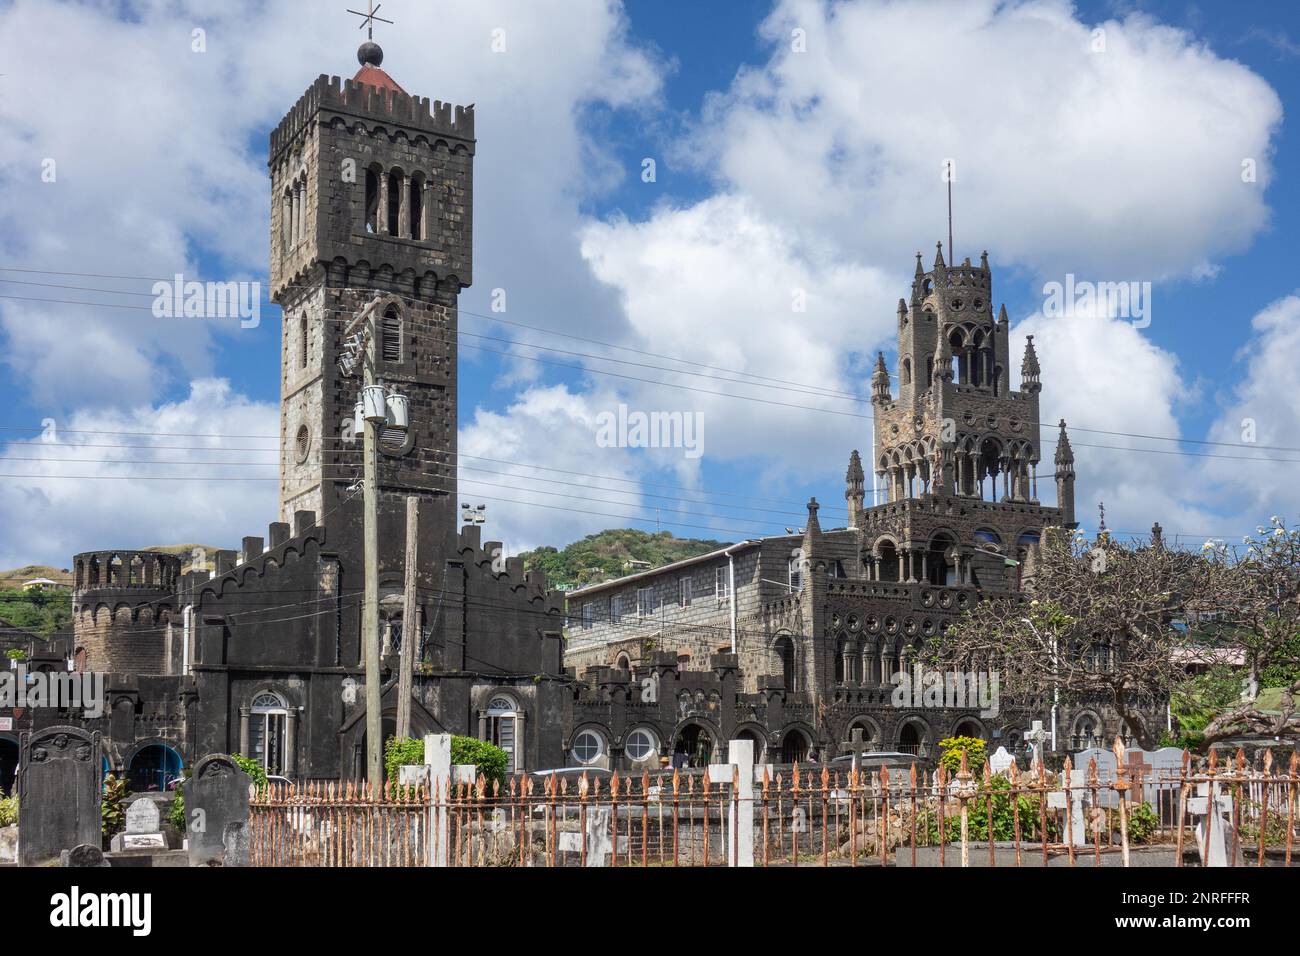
(1125, 163)
(109, 493)
(160, 169)
(1263, 410)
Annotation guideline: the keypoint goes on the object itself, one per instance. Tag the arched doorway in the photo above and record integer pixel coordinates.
(693, 747)
(794, 747)
(8, 765)
(968, 728)
(913, 738)
(152, 768)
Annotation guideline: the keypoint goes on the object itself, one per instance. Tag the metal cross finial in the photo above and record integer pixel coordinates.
(1101, 507)
(368, 18)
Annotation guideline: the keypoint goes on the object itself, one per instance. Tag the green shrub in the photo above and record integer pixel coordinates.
(1142, 822)
(488, 758)
(401, 752)
(253, 768)
(950, 754)
(1004, 827)
(8, 811)
(113, 806)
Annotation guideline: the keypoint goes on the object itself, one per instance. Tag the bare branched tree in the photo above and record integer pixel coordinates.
(1260, 629)
(1096, 623)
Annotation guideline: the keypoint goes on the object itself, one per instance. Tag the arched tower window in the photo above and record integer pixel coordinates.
(394, 202)
(906, 374)
(286, 221)
(302, 342)
(390, 335)
(417, 206)
(372, 200)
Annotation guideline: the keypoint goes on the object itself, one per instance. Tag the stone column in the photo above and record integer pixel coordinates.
(520, 764)
(482, 725)
(243, 730)
(404, 206)
(291, 742)
(382, 225)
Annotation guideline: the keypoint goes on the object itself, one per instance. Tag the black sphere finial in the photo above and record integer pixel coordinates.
(370, 53)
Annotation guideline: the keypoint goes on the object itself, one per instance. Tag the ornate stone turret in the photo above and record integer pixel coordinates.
(855, 489)
(880, 381)
(1030, 370)
(1065, 478)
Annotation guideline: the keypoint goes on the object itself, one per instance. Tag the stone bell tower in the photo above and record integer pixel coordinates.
(371, 197)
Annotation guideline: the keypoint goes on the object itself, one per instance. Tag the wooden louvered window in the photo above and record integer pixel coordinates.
(391, 336)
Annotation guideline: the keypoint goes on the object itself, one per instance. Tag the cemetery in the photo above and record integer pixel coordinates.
(1104, 808)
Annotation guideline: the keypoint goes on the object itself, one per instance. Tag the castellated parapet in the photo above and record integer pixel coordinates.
(123, 606)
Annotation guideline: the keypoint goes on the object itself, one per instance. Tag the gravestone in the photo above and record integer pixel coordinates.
(1214, 834)
(740, 811)
(854, 745)
(599, 846)
(83, 855)
(437, 757)
(143, 828)
(1166, 771)
(1139, 775)
(1036, 736)
(60, 789)
(216, 795)
(1001, 760)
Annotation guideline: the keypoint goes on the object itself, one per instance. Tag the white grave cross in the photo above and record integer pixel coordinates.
(1036, 737)
(740, 816)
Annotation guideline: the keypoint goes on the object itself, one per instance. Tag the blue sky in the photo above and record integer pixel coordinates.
(776, 171)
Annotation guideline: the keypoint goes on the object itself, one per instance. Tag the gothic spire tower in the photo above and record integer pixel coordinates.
(956, 426)
(371, 199)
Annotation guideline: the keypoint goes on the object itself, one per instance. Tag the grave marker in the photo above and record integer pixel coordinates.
(143, 828)
(740, 813)
(60, 791)
(216, 795)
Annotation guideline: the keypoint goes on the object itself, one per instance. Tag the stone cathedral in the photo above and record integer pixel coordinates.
(372, 200)
(787, 640)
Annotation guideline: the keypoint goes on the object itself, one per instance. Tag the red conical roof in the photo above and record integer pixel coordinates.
(377, 78)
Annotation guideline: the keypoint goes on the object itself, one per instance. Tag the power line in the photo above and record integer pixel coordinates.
(803, 388)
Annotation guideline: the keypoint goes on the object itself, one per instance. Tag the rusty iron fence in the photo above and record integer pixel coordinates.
(811, 815)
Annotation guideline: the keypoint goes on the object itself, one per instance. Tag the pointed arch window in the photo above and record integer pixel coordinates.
(390, 335)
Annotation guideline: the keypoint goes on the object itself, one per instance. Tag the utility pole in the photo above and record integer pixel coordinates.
(410, 623)
(375, 408)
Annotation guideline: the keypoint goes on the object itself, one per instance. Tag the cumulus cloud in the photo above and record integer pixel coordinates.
(1112, 150)
(155, 115)
(1104, 152)
(96, 478)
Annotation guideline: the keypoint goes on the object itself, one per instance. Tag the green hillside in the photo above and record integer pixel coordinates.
(610, 554)
(42, 612)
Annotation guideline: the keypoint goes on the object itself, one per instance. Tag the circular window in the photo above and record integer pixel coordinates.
(588, 747)
(957, 304)
(303, 443)
(641, 745)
